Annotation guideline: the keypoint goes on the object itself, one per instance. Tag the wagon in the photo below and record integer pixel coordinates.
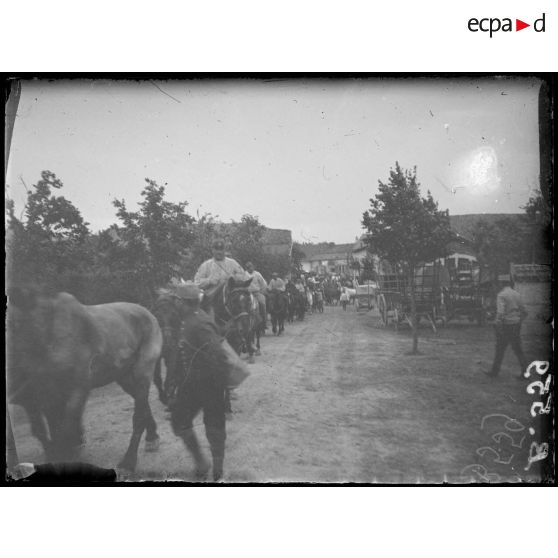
(440, 295)
(365, 296)
(394, 297)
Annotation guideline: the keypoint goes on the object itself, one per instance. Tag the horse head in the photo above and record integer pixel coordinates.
(168, 314)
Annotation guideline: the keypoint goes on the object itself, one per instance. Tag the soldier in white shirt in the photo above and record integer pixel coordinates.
(276, 283)
(510, 313)
(215, 272)
(258, 287)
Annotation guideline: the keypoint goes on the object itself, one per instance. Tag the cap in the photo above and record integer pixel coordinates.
(218, 245)
(188, 291)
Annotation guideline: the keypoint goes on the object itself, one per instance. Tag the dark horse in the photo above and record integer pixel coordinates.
(59, 349)
(297, 304)
(278, 307)
(236, 316)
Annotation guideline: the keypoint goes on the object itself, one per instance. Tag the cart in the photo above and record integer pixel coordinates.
(394, 297)
(441, 295)
(365, 295)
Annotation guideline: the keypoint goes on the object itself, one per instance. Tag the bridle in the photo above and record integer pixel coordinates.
(226, 298)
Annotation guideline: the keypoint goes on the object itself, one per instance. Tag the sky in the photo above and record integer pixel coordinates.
(300, 154)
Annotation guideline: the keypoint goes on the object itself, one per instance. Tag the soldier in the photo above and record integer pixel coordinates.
(214, 272)
(258, 287)
(510, 312)
(201, 374)
(276, 283)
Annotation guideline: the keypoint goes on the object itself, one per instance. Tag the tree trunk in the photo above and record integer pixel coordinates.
(411, 279)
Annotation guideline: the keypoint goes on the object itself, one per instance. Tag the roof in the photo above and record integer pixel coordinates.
(464, 225)
(326, 251)
(523, 273)
(277, 236)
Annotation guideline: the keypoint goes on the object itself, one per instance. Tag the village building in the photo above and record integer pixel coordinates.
(327, 258)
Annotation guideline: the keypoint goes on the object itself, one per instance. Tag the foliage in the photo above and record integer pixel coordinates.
(245, 241)
(512, 240)
(52, 239)
(128, 261)
(368, 270)
(538, 216)
(406, 229)
(403, 227)
(497, 245)
(297, 255)
(204, 232)
(537, 210)
(150, 244)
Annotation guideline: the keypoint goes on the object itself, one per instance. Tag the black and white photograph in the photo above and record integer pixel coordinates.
(279, 278)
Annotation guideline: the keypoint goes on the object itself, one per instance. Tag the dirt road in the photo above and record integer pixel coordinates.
(338, 399)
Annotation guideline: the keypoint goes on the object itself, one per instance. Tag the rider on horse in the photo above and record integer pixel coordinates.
(257, 288)
(276, 284)
(215, 272)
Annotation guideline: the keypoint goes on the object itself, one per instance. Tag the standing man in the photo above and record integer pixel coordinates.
(510, 312)
(258, 287)
(216, 271)
(344, 298)
(202, 374)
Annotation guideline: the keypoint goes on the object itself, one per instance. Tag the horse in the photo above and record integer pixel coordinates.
(278, 306)
(352, 294)
(331, 294)
(59, 350)
(236, 313)
(167, 311)
(299, 305)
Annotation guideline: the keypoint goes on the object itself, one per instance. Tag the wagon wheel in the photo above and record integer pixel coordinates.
(382, 308)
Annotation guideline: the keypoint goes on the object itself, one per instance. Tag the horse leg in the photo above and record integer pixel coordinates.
(142, 420)
(228, 406)
(38, 426)
(65, 425)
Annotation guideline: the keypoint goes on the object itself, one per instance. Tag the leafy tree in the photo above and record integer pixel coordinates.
(50, 243)
(368, 270)
(246, 244)
(204, 231)
(538, 216)
(497, 245)
(406, 229)
(149, 246)
(297, 255)
(246, 241)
